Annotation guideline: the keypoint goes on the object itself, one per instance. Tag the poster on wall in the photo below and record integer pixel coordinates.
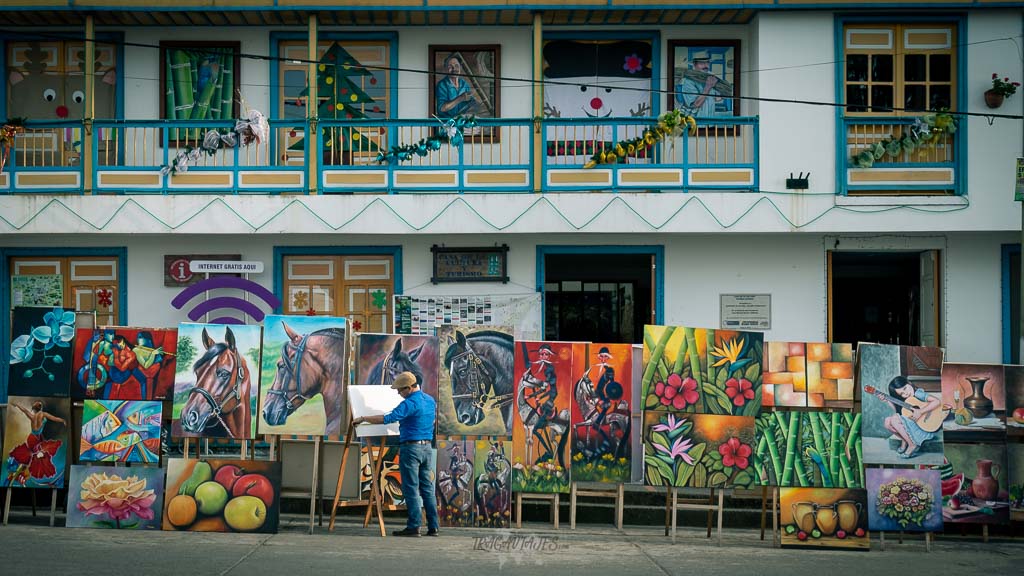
(37, 290)
(423, 314)
(705, 77)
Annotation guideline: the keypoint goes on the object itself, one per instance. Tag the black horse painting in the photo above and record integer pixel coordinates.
(382, 357)
(480, 367)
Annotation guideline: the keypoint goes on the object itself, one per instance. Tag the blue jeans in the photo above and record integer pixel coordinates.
(416, 463)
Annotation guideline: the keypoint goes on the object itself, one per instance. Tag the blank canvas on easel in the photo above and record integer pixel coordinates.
(373, 401)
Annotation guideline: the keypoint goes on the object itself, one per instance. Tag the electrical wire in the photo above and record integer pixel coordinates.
(529, 81)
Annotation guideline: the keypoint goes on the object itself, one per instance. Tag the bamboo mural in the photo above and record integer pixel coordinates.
(199, 85)
(809, 449)
(704, 371)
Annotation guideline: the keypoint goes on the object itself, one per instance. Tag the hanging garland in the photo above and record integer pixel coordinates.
(253, 127)
(923, 135)
(452, 132)
(670, 124)
(8, 132)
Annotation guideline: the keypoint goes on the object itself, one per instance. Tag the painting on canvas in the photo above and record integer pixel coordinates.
(698, 450)
(35, 442)
(213, 495)
(119, 363)
(601, 420)
(1014, 376)
(977, 394)
(120, 431)
(824, 518)
(302, 374)
(493, 483)
(808, 449)
(976, 480)
(456, 482)
(904, 500)
(217, 383)
(40, 351)
(119, 498)
(475, 381)
(389, 479)
(381, 357)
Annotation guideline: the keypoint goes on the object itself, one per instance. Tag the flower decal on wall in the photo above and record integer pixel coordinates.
(105, 297)
(633, 64)
(379, 299)
(357, 325)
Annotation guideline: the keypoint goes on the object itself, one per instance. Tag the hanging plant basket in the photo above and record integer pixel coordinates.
(993, 99)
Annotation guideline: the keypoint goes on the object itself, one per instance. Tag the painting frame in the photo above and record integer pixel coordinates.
(679, 54)
(439, 55)
(166, 91)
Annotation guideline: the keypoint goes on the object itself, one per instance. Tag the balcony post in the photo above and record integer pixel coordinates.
(89, 67)
(538, 102)
(312, 100)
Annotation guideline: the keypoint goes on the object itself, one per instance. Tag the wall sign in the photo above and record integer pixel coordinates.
(222, 266)
(487, 264)
(745, 311)
(178, 272)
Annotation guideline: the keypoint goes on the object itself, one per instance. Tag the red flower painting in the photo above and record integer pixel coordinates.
(37, 454)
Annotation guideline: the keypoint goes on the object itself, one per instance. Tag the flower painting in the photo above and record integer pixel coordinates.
(601, 420)
(40, 351)
(702, 371)
(905, 500)
(106, 497)
(809, 449)
(35, 442)
(698, 450)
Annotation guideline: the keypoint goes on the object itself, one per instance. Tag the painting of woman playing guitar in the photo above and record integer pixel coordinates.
(918, 416)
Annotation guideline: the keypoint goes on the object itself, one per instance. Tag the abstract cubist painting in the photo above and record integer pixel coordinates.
(119, 498)
(35, 442)
(381, 357)
(904, 500)
(389, 477)
(540, 435)
(475, 381)
(217, 382)
(301, 375)
(698, 450)
(120, 431)
(601, 422)
(222, 495)
(977, 395)
(116, 363)
(975, 484)
(901, 404)
(808, 374)
(824, 518)
(702, 370)
(40, 351)
(805, 449)
(492, 483)
(456, 482)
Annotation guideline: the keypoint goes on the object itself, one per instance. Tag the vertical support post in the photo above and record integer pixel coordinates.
(721, 509)
(572, 506)
(314, 498)
(775, 517)
(620, 502)
(881, 540)
(519, 509)
(675, 504)
(538, 102)
(89, 66)
(555, 509)
(7, 505)
(53, 506)
(312, 101)
(928, 541)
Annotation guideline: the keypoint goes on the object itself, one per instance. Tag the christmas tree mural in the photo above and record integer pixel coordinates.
(340, 97)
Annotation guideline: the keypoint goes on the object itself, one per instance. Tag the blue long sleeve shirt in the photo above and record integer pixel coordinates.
(415, 417)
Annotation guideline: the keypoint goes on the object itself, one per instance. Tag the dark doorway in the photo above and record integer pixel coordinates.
(884, 297)
(598, 297)
(1011, 279)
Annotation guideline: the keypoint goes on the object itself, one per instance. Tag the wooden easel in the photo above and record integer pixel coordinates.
(674, 506)
(554, 499)
(375, 501)
(618, 494)
(53, 504)
(927, 540)
(315, 493)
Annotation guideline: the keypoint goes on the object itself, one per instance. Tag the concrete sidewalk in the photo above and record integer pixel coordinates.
(28, 546)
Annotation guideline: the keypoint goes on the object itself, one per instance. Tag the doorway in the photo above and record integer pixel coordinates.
(596, 296)
(884, 297)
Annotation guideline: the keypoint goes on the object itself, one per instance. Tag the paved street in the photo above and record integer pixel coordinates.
(28, 546)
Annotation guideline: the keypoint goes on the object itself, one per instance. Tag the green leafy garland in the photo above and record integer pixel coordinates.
(670, 123)
(923, 135)
(451, 132)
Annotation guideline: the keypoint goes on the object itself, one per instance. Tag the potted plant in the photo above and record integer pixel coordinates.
(1001, 88)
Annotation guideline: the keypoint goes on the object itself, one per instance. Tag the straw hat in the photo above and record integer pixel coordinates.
(404, 380)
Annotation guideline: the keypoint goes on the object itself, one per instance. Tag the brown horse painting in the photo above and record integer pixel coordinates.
(310, 364)
(218, 404)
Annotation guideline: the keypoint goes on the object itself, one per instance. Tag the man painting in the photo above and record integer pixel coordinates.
(453, 94)
(697, 94)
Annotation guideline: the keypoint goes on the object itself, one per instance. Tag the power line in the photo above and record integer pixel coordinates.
(530, 81)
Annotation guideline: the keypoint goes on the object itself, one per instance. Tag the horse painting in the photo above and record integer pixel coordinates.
(310, 364)
(601, 447)
(492, 489)
(478, 373)
(455, 482)
(218, 401)
(382, 357)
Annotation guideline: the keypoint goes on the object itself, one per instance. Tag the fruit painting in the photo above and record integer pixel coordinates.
(904, 500)
(809, 449)
(975, 484)
(116, 363)
(824, 518)
(698, 450)
(702, 371)
(35, 448)
(601, 420)
(120, 431)
(1014, 376)
(120, 498)
(222, 496)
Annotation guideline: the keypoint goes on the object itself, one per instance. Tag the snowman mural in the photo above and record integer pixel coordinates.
(594, 79)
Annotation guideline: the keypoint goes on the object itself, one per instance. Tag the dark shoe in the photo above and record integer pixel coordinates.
(406, 532)
(433, 532)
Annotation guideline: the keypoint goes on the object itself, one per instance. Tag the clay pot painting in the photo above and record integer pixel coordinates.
(976, 396)
(824, 518)
(975, 484)
(985, 485)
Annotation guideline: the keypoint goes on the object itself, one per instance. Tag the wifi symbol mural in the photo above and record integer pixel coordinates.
(226, 302)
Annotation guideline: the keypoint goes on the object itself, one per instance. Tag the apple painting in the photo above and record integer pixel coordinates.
(255, 485)
(222, 496)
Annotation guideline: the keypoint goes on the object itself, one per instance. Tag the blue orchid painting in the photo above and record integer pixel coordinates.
(41, 351)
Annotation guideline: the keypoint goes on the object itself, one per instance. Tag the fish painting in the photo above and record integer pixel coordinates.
(121, 431)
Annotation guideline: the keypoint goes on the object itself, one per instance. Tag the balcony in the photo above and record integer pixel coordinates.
(930, 170)
(498, 156)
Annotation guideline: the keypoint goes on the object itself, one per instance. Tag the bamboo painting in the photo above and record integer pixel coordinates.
(809, 449)
(702, 371)
(199, 80)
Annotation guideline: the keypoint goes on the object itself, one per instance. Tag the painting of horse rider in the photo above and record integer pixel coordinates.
(492, 488)
(381, 357)
(455, 482)
(601, 426)
(474, 391)
(540, 439)
(301, 389)
(215, 388)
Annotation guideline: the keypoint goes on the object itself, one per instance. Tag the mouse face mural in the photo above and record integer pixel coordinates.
(46, 81)
(597, 79)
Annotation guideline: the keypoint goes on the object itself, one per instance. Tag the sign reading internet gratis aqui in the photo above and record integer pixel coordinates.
(225, 266)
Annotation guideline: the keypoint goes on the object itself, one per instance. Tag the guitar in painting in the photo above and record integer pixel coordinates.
(929, 421)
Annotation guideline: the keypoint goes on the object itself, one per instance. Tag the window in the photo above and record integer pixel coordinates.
(910, 66)
(85, 283)
(358, 287)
